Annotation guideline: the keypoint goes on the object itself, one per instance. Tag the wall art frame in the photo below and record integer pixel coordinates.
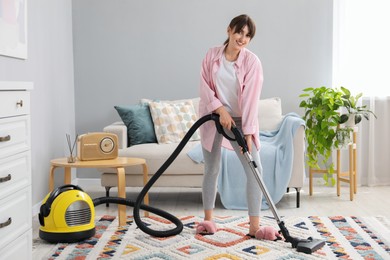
(13, 28)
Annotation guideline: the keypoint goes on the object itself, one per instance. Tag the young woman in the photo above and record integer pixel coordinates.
(231, 83)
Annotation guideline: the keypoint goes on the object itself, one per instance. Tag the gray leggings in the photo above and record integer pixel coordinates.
(212, 167)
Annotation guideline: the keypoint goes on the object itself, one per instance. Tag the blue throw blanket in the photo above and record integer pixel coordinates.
(276, 155)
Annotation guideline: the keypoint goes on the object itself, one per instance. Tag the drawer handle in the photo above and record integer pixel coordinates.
(7, 223)
(5, 138)
(4, 179)
(20, 103)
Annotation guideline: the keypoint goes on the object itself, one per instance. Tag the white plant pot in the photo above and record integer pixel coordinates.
(351, 121)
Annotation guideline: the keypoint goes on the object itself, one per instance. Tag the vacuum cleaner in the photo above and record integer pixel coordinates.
(67, 213)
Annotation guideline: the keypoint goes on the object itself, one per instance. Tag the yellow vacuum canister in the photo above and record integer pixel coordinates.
(67, 215)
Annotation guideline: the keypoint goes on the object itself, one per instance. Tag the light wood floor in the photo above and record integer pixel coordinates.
(369, 201)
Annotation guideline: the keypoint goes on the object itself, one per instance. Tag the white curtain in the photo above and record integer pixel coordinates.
(374, 144)
(361, 62)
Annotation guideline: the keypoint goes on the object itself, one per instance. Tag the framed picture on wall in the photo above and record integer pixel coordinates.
(13, 28)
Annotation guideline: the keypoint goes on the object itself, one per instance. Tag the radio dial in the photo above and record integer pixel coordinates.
(107, 145)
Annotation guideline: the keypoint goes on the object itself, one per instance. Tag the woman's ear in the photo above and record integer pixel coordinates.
(228, 30)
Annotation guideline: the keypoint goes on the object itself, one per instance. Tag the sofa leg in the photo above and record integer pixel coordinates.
(298, 196)
(107, 194)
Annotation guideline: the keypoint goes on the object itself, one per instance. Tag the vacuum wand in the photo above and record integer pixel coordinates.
(308, 245)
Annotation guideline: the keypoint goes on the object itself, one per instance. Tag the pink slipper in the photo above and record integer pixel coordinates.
(206, 228)
(268, 233)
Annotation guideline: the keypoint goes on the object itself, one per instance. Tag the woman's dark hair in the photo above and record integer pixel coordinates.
(239, 22)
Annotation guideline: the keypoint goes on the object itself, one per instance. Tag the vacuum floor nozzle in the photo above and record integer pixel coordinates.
(309, 245)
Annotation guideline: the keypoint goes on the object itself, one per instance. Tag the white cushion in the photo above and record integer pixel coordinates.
(195, 102)
(270, 113)
(173, 120)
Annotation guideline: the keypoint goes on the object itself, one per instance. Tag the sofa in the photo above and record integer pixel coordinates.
(184, 172)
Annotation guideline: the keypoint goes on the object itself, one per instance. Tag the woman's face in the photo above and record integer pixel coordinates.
(238, 40)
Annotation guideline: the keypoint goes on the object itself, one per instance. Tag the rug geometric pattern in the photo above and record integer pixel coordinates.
(346, 238)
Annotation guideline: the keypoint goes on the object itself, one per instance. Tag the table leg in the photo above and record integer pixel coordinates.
(355, 161)
(121, 194)
(67, 175)
(351, 171)
(146, 199)
(310, 181)
(51, 178)
(338, 171)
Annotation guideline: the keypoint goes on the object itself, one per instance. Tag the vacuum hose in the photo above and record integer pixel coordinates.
(307, 246)
(138, 203)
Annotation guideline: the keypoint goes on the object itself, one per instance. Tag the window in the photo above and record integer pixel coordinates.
(361, 46)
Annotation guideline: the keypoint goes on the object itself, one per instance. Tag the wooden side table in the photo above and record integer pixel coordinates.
(119, 164)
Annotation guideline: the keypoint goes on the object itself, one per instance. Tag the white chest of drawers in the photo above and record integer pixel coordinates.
(15, 171)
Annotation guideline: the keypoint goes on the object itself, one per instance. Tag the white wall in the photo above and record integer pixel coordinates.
(50, 67)
(128, 50)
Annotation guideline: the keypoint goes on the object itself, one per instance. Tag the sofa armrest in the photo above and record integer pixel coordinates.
(298, 171)
(120, 130)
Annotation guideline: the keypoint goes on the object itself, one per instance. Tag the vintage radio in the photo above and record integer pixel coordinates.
(97, 146)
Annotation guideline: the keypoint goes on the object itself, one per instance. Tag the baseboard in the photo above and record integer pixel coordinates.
(86, 183)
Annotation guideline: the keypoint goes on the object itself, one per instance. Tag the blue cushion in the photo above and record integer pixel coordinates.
(140, 128)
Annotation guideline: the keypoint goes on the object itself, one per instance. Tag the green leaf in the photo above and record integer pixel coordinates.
(358, 96)
(358, 118)
(345, 90)
(303, 104)
(308, 89)
(333, 180)
(343, 118)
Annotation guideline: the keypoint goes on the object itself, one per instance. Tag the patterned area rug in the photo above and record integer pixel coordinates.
(346, 238)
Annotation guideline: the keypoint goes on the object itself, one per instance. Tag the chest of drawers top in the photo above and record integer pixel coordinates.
(16, 85)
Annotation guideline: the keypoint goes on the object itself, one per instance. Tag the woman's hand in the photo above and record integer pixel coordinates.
(248, 140)
(224, 118)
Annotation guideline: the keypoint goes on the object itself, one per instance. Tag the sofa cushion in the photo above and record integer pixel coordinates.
(173, 120)
(195, 102)
(139, 123)
(270, 113)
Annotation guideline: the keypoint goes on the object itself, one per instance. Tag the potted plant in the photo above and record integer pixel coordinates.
(322, 118)
(343, 137)
(354, 113)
